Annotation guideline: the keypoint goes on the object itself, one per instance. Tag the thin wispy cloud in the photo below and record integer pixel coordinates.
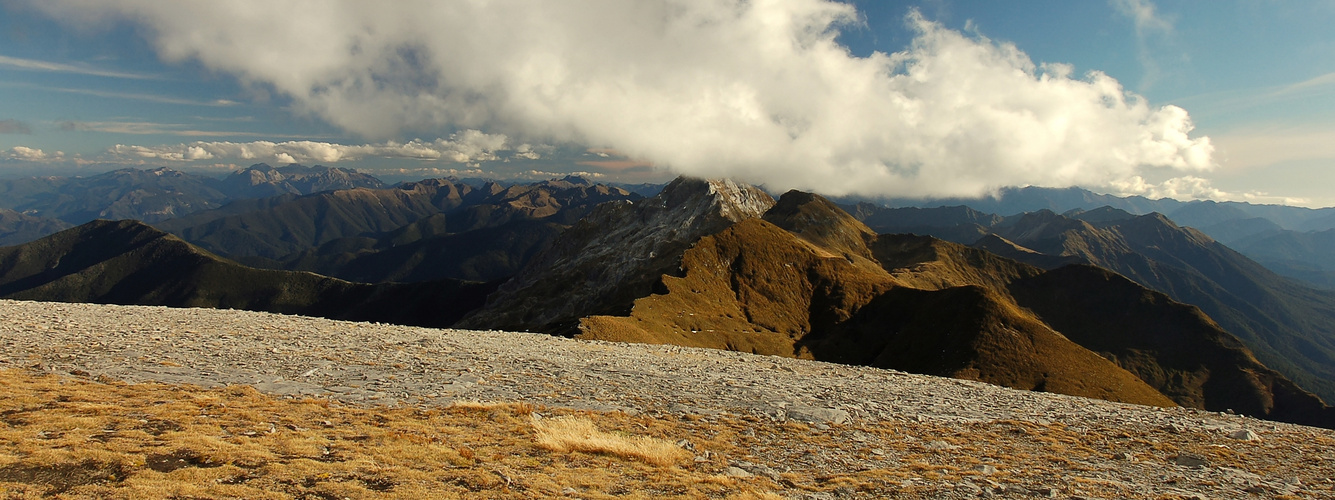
(155, 128)
(35, 65)
(14, 127)
(162, 99)
(1154, 34)
(1321, 84)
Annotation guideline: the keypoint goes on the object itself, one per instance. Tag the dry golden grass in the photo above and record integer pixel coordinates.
(566, 434)
(80, 438)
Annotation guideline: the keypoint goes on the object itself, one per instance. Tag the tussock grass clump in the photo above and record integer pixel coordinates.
(575, 433)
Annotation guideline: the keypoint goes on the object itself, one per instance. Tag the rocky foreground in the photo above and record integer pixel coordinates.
(807, 429)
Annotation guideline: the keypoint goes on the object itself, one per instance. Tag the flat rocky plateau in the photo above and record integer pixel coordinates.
(949, 438)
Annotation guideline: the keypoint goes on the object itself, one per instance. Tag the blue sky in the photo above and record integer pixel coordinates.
(897, 98)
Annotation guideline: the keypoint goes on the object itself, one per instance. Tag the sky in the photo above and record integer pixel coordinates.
(1230, 100)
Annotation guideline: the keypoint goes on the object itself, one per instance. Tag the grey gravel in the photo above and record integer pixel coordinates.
(377, 364)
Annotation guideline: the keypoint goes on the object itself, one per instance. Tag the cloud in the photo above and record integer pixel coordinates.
(1181, 188)
(1263, 147)
(1192, 188)
(14, 127)
(541, 174)
(24, 153)
(757, 90)
(1152, 32)
(469, 146)
(35, 65)
(162, 99)
(153, 128)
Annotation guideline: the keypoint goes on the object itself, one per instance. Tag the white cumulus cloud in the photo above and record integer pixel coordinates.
(24, 153)
(759, 90)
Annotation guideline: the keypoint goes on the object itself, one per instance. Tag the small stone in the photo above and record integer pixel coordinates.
(810, 415)
(1245, 435)
(736, 472)
(985, 469)
(1121, 455)
(939, 445)
(1189, 460)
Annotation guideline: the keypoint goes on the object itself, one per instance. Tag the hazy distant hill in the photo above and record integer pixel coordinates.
(413, 232)
(1016, 200)
(147, 195)
(1308, 256)
(276, 227)
(261, 180)
(489, 238)
(18, 228)
(153, 195)
(127, 262)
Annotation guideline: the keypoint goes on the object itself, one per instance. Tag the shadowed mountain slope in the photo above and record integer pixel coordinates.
(295, 224)
(1290, 327)
(483, 254)
(127, 262)
(762, 288)
(489, 237)
(942, 308)
(1173, 347)
(326, 231)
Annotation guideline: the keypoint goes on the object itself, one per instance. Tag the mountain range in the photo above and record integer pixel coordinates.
(162, 193)
(1295, 242)
(724, 265)
(1093, 302)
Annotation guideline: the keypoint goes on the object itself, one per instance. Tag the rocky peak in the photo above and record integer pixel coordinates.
(729, 199)
(617, 254)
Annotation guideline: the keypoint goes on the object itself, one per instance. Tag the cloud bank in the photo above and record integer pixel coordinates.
(470, 146)
(758, 90)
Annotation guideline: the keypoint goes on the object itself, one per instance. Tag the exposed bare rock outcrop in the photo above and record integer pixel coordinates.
(616, 254)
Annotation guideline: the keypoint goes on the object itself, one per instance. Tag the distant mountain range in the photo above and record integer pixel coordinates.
(1296, 242)
(161, 194)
